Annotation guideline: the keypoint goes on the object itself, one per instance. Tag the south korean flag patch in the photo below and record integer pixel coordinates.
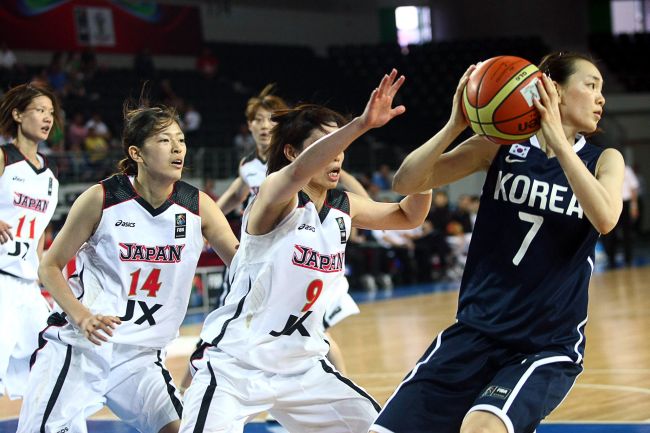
(519, 150)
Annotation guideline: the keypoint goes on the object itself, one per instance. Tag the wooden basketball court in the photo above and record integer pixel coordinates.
(382, 344)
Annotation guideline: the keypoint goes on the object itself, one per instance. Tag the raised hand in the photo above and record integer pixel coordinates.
(379, 109)
(457, 118)
(548, 106)
(91, 324)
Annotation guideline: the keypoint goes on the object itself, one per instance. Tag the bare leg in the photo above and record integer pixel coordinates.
(482, 422)
(172, 427)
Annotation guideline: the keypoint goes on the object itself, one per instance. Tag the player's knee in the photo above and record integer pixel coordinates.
(482, 422)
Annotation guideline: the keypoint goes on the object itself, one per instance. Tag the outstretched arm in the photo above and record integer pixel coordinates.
(216, 230)
(80, 224)
(407, 214)
(233, 196)
(278, 192)
(351, 184)
(427, 167)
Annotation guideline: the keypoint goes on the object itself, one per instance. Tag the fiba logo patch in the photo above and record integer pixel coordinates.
(496, 392)
(344, 236)
(180, 224)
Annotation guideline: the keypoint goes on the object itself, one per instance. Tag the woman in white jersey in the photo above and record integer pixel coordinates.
(28, 197)
(252, 172)
(138, 236)
(265, 348)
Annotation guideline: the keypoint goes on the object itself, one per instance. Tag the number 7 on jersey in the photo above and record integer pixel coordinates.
(537, 221)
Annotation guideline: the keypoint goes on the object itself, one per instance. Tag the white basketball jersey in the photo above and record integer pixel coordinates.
(28, 198)
(282, 283)
(253, 172)
(140, 262)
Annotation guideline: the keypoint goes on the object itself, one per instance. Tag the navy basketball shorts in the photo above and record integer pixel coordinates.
(464, 371)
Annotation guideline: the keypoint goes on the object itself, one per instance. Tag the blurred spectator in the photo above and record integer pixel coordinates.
(75, 86)
(56, 75)
(100, 128)
(243, 142)
(96, 146)
(8, 59)
(168, 95)
(383, 177)
(440, 214)
(399, 254)
(624, 228)
(463, 213)
(8, 63)
(88, 63)
(77, 131)
(638, 223)
(207, 64)
(191, 125)
(143, 66)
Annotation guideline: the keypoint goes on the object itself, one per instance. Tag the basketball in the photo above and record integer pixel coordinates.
(498, 99)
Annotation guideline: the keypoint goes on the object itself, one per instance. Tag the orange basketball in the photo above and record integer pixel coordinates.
(498, 99)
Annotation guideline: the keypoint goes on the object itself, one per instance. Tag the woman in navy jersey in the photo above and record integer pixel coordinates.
(28, 198)
(137, 237)
(518, 343)
(266, 348)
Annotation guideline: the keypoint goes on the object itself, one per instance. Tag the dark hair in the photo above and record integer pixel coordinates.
(267, 100)
(560, 65)
(294, 126)
(139, 124)
(19, 98)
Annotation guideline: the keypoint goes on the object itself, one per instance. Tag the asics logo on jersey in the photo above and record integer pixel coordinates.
(18, 179)
(63, 430)
(535, 193)
(306, 227)
(120, 223)
(157, 254)
(511, 159)
(306, 257)
(27, 202)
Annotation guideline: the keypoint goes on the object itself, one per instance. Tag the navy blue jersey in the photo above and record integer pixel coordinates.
(531, 255)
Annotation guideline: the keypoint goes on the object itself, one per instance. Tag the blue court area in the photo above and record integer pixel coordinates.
(9, 426)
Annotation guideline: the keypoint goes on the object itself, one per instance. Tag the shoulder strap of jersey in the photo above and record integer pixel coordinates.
(117, 189)
(338, 199)
(187, 196)
(250, 157)
(12, 154)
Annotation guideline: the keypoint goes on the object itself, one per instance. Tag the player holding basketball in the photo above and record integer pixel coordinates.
(28, 198)
(266, 348)
(518, 343)
(138, 236)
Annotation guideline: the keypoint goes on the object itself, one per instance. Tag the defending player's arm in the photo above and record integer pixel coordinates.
(599, 195)
(407, 214)
(233, 196)
(80, 224)
(277, 194)
(427, 167)
(216, 230)
(351, 184)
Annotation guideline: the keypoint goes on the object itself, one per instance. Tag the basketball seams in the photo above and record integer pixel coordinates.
(482, 118)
